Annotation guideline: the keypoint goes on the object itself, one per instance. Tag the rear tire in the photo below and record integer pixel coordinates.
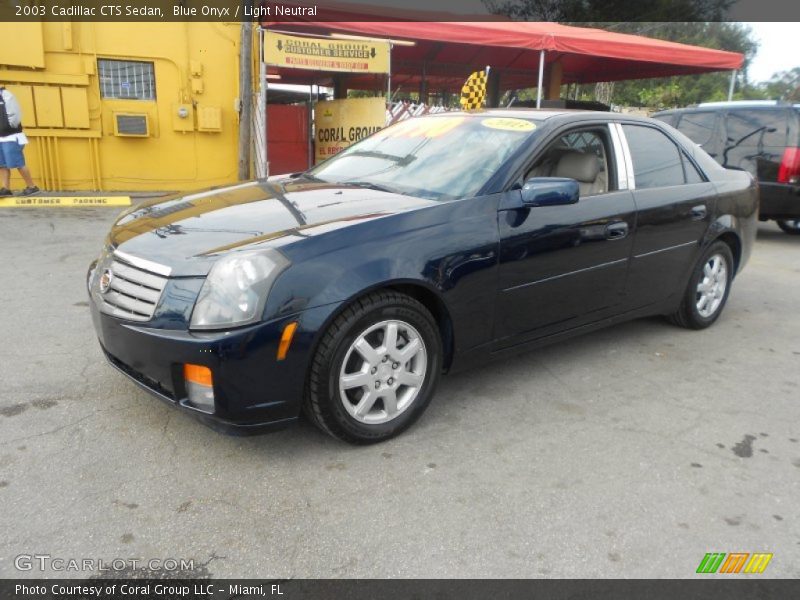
(708, 288)
(790, 226)
(375, 370)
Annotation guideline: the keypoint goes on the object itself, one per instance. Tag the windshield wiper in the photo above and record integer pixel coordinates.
(371, 186)
(377, 154)
(400, 161)
(309, 177)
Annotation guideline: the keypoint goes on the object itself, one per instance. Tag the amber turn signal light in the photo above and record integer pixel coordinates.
(197, 374)
(286, 339)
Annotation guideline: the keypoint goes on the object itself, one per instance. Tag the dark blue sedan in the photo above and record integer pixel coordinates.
(433, 245)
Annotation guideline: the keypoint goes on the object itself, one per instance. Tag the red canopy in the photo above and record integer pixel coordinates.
(446, 52)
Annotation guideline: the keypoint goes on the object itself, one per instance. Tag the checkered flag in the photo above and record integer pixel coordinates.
(474, 91)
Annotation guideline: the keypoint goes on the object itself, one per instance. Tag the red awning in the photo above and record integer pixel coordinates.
(446, 52)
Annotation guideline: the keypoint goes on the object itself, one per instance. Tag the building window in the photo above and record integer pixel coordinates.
(126, 79)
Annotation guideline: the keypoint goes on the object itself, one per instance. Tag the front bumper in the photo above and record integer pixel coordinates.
(253, 391)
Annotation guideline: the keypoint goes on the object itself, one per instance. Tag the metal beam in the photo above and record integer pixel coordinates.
(541, 80)
(732, 85)
(245, 97)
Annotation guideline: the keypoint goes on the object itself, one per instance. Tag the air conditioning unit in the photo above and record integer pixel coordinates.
(131, 125)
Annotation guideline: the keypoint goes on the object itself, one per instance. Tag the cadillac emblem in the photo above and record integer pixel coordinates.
(105, 280)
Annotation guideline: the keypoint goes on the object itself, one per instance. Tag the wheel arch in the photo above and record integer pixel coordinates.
(419, 291)
(728, 229)
(735, 244)
(438, 309)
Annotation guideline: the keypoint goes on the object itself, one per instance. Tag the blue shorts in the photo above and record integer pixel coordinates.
(11, 156)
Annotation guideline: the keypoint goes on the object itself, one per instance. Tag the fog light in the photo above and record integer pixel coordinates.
(199, 387)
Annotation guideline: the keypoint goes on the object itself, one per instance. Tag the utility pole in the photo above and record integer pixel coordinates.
(245, 96)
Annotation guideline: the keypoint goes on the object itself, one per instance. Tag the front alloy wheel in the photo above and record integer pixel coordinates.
(382, 372)
(375, 369)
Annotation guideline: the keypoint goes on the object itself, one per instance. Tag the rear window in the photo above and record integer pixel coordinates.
(657, 162)
(754, 128)
(668, 118)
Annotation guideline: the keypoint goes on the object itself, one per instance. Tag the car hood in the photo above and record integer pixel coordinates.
(187, 233)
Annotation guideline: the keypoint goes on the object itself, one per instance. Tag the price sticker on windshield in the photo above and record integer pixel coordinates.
(509, 124)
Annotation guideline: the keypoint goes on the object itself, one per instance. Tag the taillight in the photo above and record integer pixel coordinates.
(789, 171)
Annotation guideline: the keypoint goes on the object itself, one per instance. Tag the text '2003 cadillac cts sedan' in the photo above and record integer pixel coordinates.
(437, 243)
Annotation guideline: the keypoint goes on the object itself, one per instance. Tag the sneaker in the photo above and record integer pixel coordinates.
(5, 192)
(29, 191)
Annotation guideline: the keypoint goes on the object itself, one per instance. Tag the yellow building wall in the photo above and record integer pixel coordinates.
(74, 144)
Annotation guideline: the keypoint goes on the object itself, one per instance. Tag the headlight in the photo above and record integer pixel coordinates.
(90, 275)
(101, 262)
(235, 291)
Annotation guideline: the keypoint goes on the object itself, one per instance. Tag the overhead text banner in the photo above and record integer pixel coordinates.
(340, 123)
(269, 12)
(322, 54)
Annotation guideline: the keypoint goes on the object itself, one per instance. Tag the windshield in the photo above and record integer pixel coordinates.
(439, 158)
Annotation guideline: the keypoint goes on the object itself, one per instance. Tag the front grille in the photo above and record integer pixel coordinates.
(133, 292)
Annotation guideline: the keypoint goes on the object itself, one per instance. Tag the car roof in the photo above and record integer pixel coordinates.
(544, 114)
(737, 104)
(741, 103)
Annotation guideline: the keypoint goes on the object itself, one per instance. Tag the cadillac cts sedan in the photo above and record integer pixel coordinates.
(344, 292)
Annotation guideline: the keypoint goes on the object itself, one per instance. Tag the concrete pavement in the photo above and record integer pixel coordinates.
(626, 453)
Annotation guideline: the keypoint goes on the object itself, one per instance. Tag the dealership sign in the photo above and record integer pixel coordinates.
(323, 54)
(340, 123)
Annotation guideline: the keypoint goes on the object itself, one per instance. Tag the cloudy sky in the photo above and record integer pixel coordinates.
(777, 51)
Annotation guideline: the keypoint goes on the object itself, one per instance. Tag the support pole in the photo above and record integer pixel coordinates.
(492, 87)
(541, 80)
(266, 105)
(423, 84)
(554, 77)
(732, 86)
(260, 120)
(389, 80)
(245, 97)
(310, 125)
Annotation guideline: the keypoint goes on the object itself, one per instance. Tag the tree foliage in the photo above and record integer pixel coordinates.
(610, 10)
(694, 22)
(689, 89)
(784, 85)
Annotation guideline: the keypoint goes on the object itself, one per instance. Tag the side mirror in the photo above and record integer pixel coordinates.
(550, 191)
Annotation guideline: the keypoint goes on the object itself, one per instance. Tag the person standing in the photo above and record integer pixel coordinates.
(12, 143)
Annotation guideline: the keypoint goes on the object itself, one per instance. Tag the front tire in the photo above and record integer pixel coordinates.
(375, 370)
(708, 288)
(790, 226)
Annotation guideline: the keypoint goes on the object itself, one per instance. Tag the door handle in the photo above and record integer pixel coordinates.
(616, 231)
(699, 212)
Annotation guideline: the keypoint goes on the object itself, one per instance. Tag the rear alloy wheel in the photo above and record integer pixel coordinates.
(712, 286)
(375, 369)
(708, 288)
(790, 226)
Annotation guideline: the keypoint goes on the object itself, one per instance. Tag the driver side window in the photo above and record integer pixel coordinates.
(581, 155)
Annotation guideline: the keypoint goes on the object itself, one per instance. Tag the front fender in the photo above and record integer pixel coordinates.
(450, 249)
